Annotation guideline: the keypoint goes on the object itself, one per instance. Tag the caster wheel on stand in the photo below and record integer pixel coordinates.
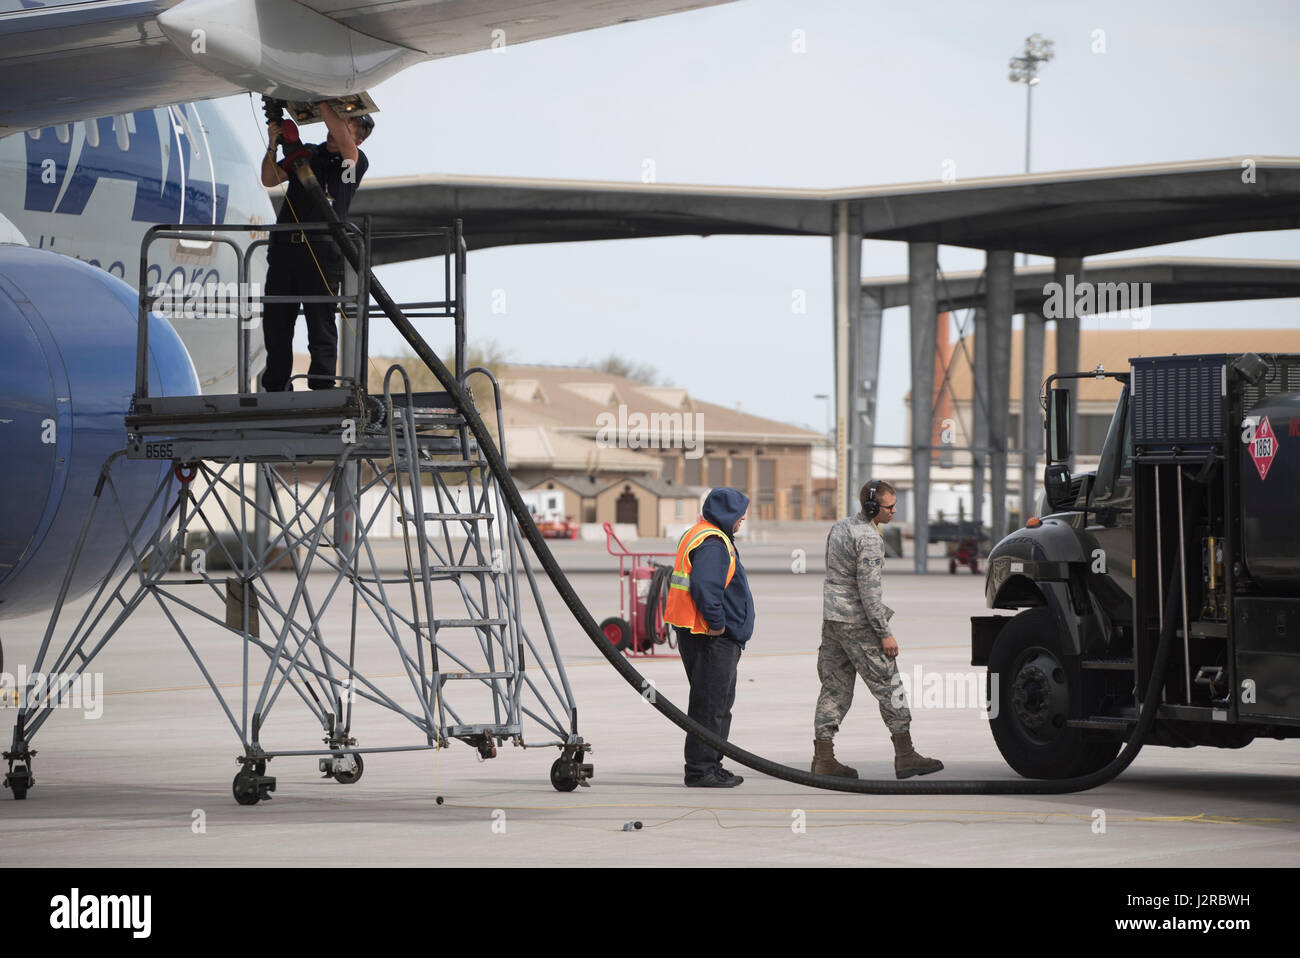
(569, 770)
(19, 781)
(244, 790)
(353, 776)
(252, 784)
(563, 776)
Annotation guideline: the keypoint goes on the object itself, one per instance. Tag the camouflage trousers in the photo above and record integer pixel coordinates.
(847, 651)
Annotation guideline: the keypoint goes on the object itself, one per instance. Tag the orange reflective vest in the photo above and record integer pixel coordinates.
(681, 609)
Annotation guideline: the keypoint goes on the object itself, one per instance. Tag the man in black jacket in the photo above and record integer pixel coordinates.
(302, 264)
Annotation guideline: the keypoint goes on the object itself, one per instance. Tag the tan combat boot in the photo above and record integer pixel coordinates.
(824, 762)
(906, 760)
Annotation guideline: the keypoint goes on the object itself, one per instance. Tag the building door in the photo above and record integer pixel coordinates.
(625, 510)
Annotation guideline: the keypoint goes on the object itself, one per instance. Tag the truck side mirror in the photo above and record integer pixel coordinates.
(1058, 425)
(1056, 487)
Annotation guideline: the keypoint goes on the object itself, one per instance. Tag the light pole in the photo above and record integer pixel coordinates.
(1024, 69)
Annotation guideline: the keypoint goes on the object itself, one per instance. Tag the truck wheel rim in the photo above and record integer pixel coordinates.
(1040, 697)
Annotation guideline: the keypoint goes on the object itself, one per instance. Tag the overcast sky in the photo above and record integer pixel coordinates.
(883, 93)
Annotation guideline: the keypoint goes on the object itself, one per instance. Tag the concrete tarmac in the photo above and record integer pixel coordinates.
(148, 782)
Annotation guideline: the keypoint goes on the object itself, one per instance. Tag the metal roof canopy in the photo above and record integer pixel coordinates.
(1064, 215)
(1173, 279)
(1070, 213)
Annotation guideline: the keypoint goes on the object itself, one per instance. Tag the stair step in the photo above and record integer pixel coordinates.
(451, 465)
(1118, 665)
(464, 731)
(455, 569)
(437, 572)
(476, 675)
(451, 516)
(466, 623)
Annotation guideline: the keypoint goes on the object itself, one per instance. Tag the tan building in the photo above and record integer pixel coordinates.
(579, 494)
(656, 508)
(615, 428)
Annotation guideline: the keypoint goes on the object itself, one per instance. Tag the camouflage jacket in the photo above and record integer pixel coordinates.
(855, 563)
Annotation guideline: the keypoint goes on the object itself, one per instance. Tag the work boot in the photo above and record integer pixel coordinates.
(824, 762)
(711, 779)
(907, 762)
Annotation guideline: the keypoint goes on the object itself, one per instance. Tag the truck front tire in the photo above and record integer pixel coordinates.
(1039, 689)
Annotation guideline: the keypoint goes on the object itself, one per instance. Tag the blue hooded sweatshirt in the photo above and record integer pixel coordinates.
(732, 607)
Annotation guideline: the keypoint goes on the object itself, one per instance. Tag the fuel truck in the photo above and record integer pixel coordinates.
(1194, 510)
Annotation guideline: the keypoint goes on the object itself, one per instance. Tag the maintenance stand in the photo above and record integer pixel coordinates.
(454, 617)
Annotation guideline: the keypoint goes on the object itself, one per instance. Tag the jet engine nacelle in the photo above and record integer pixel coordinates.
(67, 374)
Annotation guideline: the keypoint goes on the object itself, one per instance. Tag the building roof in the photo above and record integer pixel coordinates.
(1113, 348)
(537, 446)
(579, 400)
(666, 488)
(582, 485)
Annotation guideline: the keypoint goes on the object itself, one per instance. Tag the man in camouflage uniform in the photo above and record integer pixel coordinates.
(857, 639)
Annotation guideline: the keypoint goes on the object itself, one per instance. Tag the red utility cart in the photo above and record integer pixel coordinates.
(642, 595)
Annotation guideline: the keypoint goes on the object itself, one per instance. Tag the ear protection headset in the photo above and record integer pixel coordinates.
(870, 507)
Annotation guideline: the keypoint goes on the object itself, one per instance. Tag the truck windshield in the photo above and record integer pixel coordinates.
(1117, 452)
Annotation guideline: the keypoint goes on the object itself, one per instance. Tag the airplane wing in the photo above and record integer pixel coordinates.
(67, 60)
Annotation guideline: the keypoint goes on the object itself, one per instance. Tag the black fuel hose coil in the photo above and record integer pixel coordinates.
(634, 678)
(654, 598)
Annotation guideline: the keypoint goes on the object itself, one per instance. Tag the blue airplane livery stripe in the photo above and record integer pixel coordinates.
(157, 199)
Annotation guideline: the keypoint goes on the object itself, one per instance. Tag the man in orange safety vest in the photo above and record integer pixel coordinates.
(712, 610)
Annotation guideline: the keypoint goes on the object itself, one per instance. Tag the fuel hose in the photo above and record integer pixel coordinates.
(638, 682)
